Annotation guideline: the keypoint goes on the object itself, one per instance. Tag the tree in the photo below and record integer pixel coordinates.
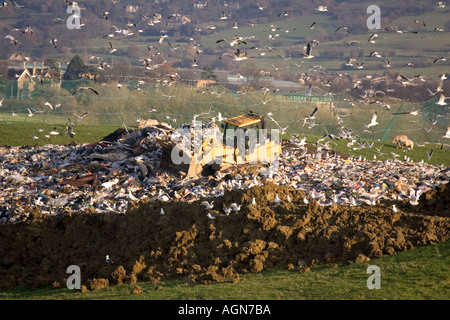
(208, 74)
(75, 68)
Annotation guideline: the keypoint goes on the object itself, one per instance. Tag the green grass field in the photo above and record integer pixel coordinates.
(20, 132)
(418, 274)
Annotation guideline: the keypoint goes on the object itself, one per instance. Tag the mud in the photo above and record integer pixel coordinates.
(185, 244)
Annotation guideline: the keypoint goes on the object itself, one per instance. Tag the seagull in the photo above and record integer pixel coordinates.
(421, 22)
(11, 39)
(112, 49)
(372, 38)
(235, 41)
(211, 216)
(162, 212)
(1, 102)
(223, 16)
(30, 114)
(277, 199)
(260, 7)
(238, 55)
(447, 134)
(430, 154)
(283, 130)
(343, 28)
(49, 105)
(307, 54)
(70, 132)
(53, 41)
(235, 207)
(322, 8)
(108, 260)
(440, 59)
(312, 25)
(313, 114)
(54, 132)
(80, 117)
(105, 15)
(208, 206)
(285, 13)
(441, 101)
(373, 122)
(394, 208)
(85, 88)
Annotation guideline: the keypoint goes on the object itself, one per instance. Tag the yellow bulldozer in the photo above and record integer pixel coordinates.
(244, 139)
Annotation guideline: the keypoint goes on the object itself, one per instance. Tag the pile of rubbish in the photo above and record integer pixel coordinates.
(125, 167)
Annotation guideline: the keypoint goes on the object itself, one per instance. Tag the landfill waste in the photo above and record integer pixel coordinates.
(73, 204)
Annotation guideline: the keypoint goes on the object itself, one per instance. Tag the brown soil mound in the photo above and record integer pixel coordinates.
(185, 243)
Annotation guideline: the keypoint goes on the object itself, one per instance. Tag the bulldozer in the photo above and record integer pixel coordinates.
(244, 139)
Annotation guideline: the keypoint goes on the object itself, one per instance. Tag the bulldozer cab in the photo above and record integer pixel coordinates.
(243, 122)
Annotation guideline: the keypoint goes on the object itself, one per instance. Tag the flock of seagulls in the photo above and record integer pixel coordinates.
(241, 54)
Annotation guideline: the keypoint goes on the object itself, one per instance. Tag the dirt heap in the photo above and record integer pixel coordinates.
(185, 244)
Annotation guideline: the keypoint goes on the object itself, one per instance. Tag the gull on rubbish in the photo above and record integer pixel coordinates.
(108, 260)
(277, 199)
(208, 206)
(211, 216)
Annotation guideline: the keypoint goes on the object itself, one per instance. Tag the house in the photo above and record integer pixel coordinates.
(27, 76)
(201, 4)
(131, 9)
(202, 83)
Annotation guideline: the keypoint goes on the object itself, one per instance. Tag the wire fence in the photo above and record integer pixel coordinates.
(59, 102)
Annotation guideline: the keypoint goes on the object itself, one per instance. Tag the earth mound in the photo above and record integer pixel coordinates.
(186, 243)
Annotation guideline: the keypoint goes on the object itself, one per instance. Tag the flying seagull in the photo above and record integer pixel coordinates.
(343, 28)
(441, 101)
(307, 54)
(372, 38)
(285, 13)
(112, 49)
(223, 16)
(373, 122)
(238, 55)
(85, 88)
(312, 26)
(440, 59)
(447, 134)
(80, 117)
(11, 39)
